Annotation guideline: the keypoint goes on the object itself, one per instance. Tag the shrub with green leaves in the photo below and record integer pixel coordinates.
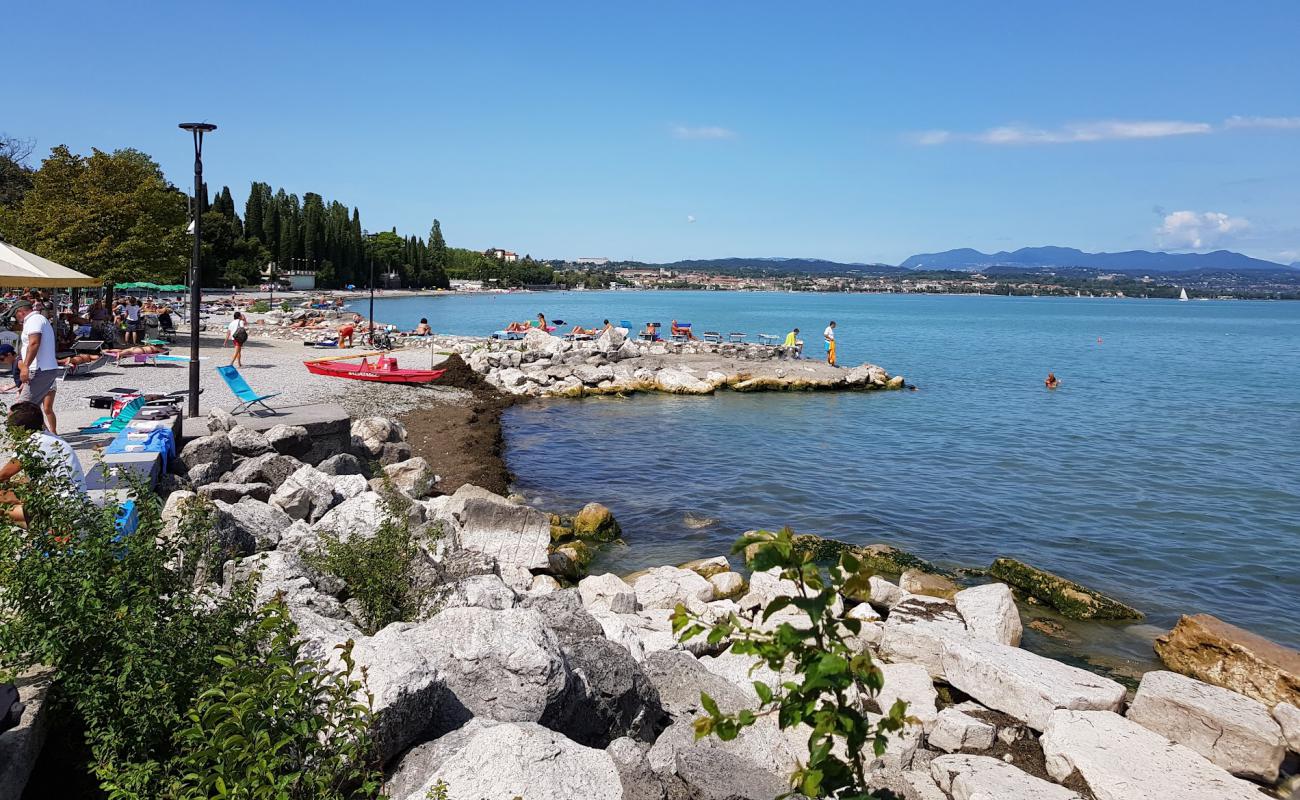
(276, 724)
(259, 307)
(831, 675)
(380, 571)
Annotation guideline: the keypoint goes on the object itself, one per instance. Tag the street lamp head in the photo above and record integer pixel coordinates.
(197, 127)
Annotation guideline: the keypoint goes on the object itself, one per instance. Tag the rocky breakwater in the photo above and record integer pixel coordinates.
(503, 683)
(545, 365)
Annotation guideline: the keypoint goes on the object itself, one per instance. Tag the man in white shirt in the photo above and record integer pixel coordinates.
(37, 365)
(829, 336)
(59, 458)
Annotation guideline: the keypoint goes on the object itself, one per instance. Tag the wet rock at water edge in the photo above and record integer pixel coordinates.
(1069, 598)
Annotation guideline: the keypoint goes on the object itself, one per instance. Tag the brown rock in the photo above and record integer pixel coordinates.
(914, 581)
(1211, 650)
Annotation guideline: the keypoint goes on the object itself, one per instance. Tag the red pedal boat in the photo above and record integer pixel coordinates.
(383, 369)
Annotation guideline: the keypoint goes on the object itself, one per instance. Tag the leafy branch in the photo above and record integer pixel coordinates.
(830, 677)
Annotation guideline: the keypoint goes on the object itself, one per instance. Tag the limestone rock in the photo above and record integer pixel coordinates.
(289, 440)
(370, 434)
(269, 468)
(414, 477)
(968, 777)
(707, 567)
(512, 759)
(954, 730)
(910, 683)
(990, 613)
(608, 591)
(220, 421)
(676, 381)
(543, 584)
(1027, 686)
(639, 781)
(207, 458)
(1121, 760)
(885, 593)
(916, 630)
(480, 591)
(710, 773)
(250, 525)
(359, 516)
(914, 581)
(1232, 730)
(341, 464)
(394, 453)
(1288, 718)
(571, 559)
(504, 665)
(1064, 595)
(727, 584)
(247, 442)
(665, 587)
(1211, 650)
(610, 697)
(596, 522)
(680, 678)
(307, 494)
(511, 534)
(234, 492)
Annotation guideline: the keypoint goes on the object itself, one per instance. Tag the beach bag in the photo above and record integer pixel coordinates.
(241, 335)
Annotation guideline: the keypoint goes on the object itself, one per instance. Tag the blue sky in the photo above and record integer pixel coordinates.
(857, 131)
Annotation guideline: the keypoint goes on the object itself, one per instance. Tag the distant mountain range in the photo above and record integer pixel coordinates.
(1128, 261)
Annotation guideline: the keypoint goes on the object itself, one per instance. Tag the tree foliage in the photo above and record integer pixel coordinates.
(831, 676)
(111, 215)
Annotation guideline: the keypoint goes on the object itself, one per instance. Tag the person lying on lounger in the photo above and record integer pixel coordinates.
(138, 350)
(578, 330)
(682, 330)
(518, 327)
(79, 358)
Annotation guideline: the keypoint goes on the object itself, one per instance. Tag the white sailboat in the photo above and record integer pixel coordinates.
(1182, 295)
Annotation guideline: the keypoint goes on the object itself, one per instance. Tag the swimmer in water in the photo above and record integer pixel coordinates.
(1051, 382)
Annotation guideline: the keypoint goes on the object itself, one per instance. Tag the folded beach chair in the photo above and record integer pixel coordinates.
(768, 339)
(736, 336)
(712, 336)
(243, 392)
(116, 424)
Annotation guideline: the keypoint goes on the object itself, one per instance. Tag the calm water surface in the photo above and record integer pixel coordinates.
(1164, 470)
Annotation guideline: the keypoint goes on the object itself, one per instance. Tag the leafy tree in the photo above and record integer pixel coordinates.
(831, 676)
(15, 175)
(111, 215)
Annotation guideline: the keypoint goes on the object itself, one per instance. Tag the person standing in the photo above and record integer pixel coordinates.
(37, 365)
(132, 311)
(237, 332)
(829, 336)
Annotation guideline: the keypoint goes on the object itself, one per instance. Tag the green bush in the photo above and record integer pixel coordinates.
(259, 307)
(380, 572)
(832, 677)
(277, 724)
(134, 633)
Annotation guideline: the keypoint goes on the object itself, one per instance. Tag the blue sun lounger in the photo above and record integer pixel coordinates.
(115, 424)
(243, 392)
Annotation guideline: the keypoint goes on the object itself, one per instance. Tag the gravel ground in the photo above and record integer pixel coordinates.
(270, 365)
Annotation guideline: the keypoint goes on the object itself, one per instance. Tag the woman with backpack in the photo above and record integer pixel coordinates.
(237, 331)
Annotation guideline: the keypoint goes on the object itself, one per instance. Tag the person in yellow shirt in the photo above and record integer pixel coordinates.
(793, 342)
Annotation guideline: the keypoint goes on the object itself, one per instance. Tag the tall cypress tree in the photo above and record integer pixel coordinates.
(438, 257)
(254, 211)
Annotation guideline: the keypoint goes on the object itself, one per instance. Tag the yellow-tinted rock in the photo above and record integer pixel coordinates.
(1211, 650)
(595, 521)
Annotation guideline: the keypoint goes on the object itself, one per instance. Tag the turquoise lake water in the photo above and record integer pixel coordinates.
(1164, 471)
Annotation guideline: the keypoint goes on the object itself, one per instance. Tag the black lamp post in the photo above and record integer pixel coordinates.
(198, 129)
(372, 303)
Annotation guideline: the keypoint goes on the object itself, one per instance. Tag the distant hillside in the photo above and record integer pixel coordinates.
(782, 266)
(1039, 257)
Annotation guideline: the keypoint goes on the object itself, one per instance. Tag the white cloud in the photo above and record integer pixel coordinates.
(1192, 230)
(1105, 130)
(702, 132)
(1285, 123)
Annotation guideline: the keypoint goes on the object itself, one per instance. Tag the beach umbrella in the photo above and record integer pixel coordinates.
(20, 269)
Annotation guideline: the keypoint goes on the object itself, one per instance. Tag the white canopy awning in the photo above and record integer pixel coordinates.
(20, 269)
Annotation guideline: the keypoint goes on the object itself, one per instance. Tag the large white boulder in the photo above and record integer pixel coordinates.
(511, 534)
(507, 760)
(910, 683)
(665, 587)
(676, 381)
(1027, 686)
(955, 730)
(407, 688)
(916, 630)
(1288, 717)
(307, 494)
(990, 613)
(885, 593)
(1230, 729)
(968, 777)
(1121, 760)
(608, 591)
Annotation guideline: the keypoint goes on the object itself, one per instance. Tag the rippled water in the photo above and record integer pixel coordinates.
(1164, 470)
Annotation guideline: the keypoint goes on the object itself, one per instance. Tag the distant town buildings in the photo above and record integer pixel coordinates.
(501, 255)
(593, 262)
